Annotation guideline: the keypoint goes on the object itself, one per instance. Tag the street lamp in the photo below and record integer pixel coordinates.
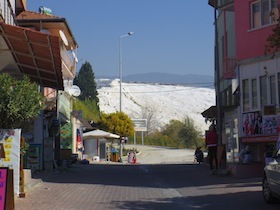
(122, 36)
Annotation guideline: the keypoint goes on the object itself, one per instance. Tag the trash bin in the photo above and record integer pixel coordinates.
(115, 155)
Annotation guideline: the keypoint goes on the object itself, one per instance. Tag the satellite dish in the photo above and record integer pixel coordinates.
(63, 37)
(75, 91)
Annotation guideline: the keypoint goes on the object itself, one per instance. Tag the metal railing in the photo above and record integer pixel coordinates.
(69, 62)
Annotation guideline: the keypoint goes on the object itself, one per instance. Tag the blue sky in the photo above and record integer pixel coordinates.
(170, 36)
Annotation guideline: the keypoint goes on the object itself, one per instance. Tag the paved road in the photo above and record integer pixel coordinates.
(161, 155)
(142, 186)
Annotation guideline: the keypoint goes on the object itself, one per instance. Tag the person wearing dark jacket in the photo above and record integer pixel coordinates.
(198, 155)
(212, 144)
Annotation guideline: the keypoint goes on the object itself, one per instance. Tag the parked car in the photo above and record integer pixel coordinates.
(271, 180)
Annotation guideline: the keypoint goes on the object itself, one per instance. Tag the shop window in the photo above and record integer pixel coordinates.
(254, 94)
(264, 12)
(245, 95)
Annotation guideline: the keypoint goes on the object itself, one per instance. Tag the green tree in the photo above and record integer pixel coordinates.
(189, 134)
(118, 123)
(86, 82)
(88, 101)
(20, 101)
(89, 107)
(179, 134)
(273, 40)
(172, 130)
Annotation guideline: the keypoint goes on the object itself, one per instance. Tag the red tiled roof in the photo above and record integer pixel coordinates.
(50, 22)
(35, 15)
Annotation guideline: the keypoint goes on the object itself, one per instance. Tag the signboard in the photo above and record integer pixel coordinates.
(3, 187)
(10, 138)
(140, 124)
(269, 110)
(64, 105)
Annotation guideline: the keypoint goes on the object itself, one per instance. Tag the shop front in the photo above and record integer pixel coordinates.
(259, 134)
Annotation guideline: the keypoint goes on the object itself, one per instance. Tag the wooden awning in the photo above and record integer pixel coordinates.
(211, 112)
(33, 53)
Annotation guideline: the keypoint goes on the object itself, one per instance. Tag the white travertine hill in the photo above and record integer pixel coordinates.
(167, 102)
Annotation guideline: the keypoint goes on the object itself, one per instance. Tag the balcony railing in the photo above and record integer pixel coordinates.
(1, 16)
(229, 68)
(7, 14)
(68, 64)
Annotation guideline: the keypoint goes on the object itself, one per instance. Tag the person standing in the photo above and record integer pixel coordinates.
(212, 144)
(130, 156)
(245, 155)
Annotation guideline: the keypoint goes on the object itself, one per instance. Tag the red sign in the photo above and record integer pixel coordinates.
(272, 138)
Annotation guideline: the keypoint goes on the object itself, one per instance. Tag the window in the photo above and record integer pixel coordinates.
(272, 89)
(274, 11)
(264, 12)
(246, 99)
(263, 89)
(278, 88)
(254, 94)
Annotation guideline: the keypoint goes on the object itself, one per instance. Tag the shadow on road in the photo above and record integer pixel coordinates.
(186, 186)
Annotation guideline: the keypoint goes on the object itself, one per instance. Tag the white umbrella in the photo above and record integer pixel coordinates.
(100, 134)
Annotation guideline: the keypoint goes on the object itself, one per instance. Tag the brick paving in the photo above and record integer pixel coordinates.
(88, 187)
(124, 186)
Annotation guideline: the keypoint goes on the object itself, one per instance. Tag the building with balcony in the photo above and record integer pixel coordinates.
(42, 46)
(246, 77)
(59, 101)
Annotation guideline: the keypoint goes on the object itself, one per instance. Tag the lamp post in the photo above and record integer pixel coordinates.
(122, 36)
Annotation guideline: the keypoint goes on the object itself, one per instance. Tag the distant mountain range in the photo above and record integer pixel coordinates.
(165, 78)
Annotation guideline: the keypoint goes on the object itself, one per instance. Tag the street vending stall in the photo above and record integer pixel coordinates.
(95, 144)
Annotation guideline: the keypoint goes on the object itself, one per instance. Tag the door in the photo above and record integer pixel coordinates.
(102, 151)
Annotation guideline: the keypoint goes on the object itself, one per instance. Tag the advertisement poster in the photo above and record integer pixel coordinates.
(271, 124)
(252, 123)
(3, 187)
(10, 138)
